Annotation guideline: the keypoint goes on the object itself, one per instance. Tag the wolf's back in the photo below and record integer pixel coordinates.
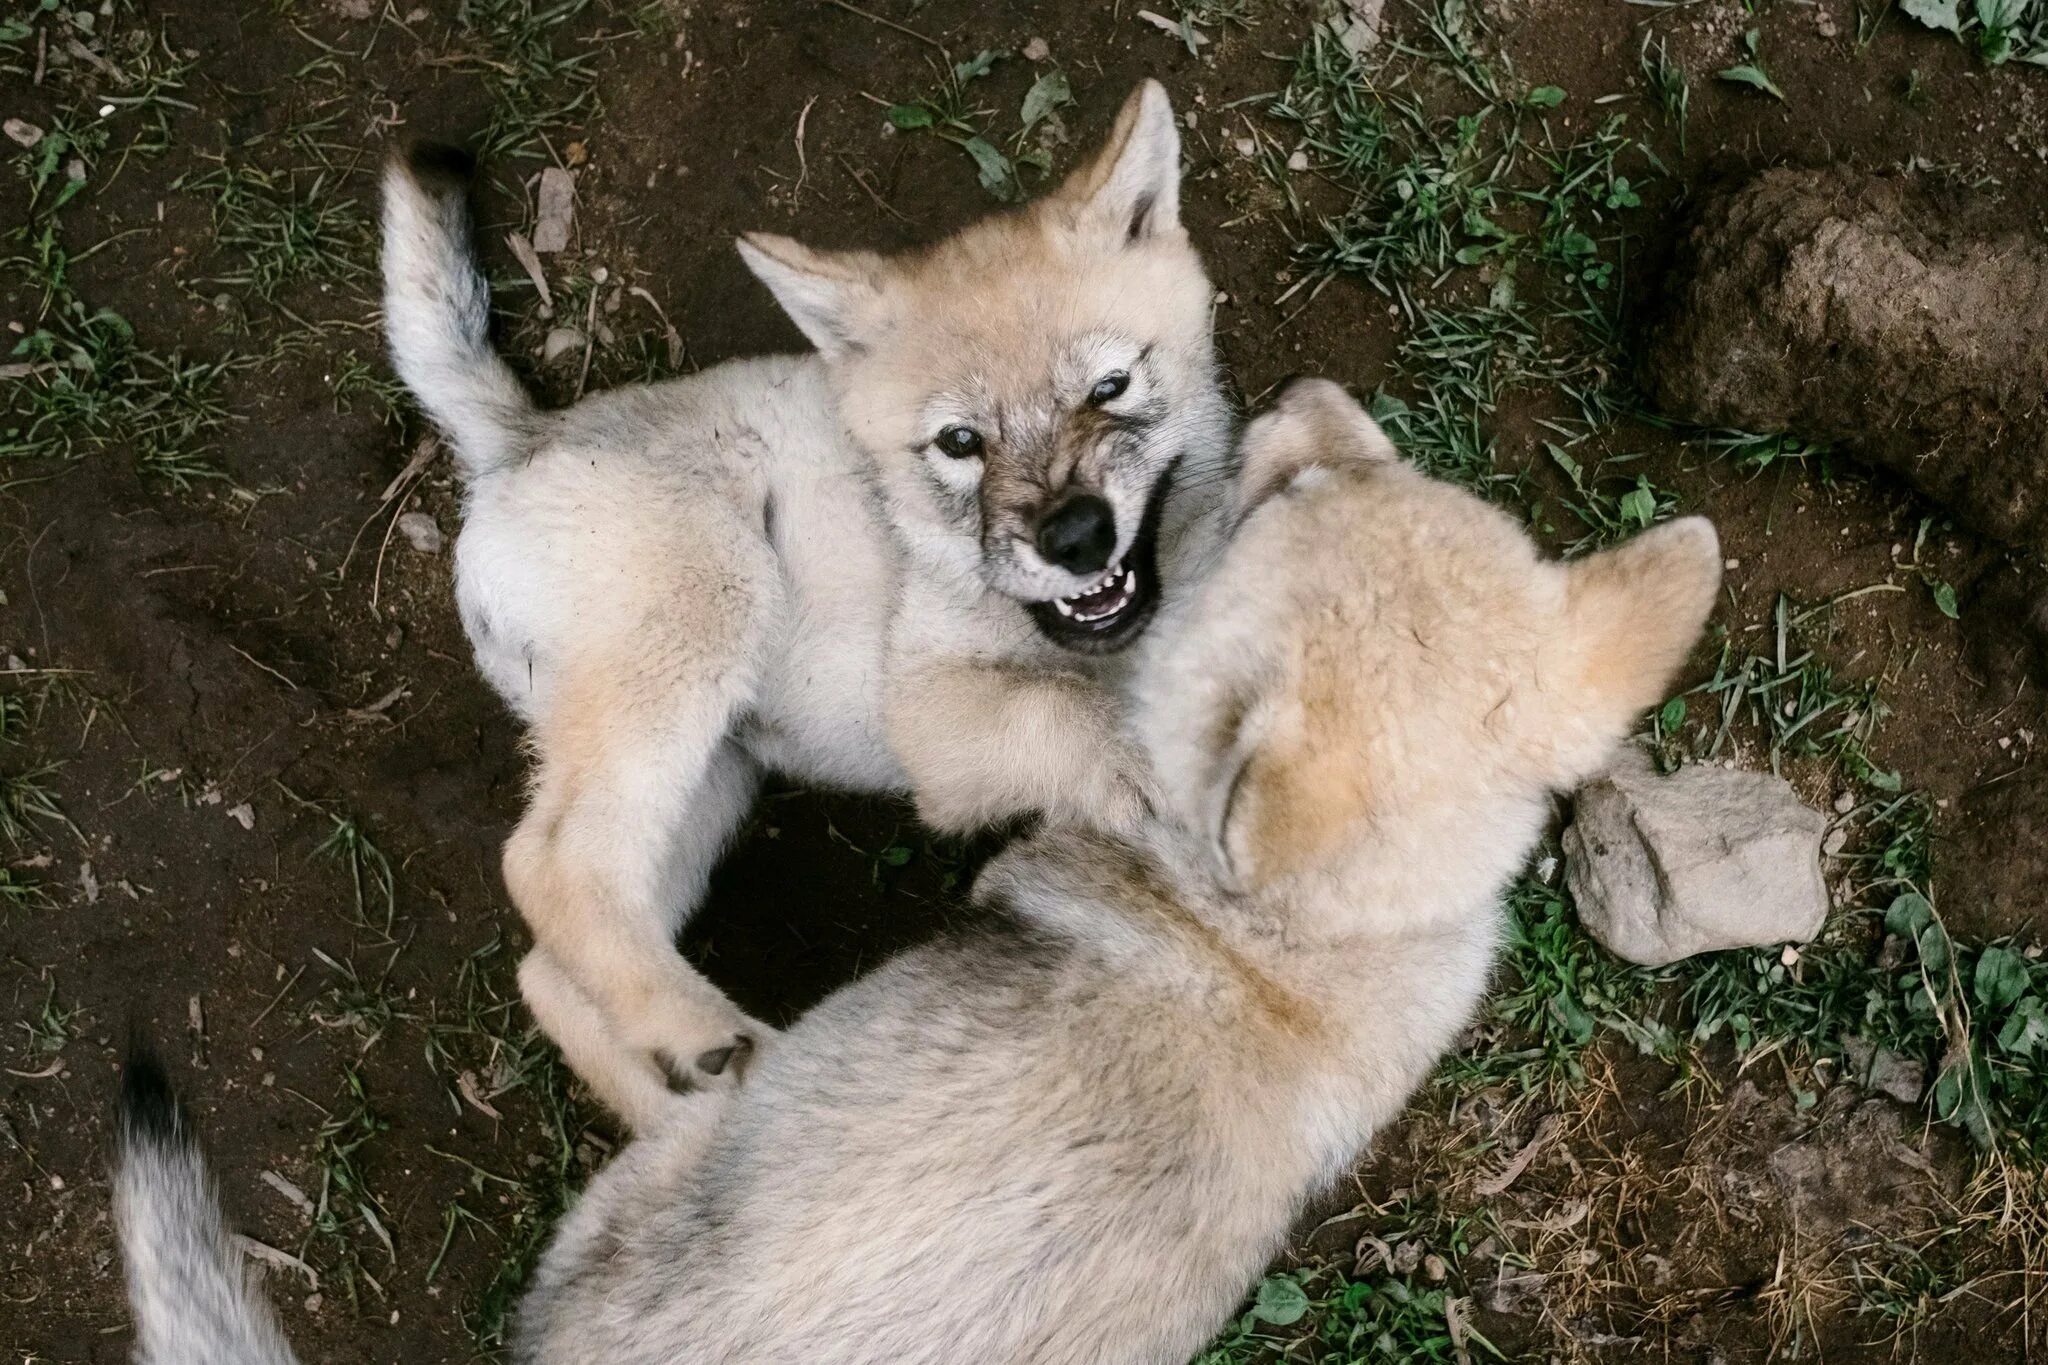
(185, 1276)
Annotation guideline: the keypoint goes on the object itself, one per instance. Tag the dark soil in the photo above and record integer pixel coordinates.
(1873, 312)
(223, 676)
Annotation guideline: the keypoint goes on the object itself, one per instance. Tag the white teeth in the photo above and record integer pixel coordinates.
(1119, 578)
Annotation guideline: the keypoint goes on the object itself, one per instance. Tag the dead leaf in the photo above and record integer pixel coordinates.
(278, 1260)
(522, 251)
(1166, 25)
(290, 1191)
(1511, 1172)
(466, 1083)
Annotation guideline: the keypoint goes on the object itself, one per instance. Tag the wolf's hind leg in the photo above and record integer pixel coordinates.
(639, 790)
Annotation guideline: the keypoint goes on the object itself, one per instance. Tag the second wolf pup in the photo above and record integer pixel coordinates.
(1077, 1132)
(896, 562)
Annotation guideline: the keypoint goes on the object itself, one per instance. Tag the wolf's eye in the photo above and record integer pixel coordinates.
(1108, 387)
(960, 442)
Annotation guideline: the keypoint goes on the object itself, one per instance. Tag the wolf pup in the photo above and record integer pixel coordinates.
(1077, 1133)
(899, 561)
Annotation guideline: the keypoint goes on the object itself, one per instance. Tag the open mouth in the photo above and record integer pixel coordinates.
(1117, 609)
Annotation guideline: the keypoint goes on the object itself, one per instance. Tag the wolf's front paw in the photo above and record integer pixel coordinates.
(1118, 794)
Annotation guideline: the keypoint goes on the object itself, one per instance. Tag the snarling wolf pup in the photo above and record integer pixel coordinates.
(900, 561)
(1076, 1133)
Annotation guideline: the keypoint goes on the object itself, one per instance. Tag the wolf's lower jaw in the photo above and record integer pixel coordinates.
(1118, 589)
(1115, 612)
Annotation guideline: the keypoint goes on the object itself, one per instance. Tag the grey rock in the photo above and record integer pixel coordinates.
(1663, 867)
(421, 532)
(1885, 1071)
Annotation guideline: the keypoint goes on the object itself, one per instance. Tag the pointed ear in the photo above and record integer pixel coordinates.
(1312, 422)
(1632, 616)
(830, 295)
(1132, 187)
(1288, 808)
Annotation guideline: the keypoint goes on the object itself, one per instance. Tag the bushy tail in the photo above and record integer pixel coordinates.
(185, 1275)
(437, 311)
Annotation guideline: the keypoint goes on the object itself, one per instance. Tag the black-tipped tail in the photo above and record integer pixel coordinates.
(185, 1279)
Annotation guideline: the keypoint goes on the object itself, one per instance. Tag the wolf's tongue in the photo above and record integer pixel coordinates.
(1104, 597)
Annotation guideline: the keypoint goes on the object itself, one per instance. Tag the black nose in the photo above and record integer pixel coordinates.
(1078, 534)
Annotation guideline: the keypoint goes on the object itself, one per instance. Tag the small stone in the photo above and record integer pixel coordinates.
(1707, 858)
(88, 883)
(243, 815)
(21, 131)
(420, 532)
(1434, 1269)
(1298, 161)
(1832, 845)
(560, 341)
(1407, 1256)
(1246, 147)
(1359, 29)
(1845, 803)
(1037, 50)
(1904, 1079)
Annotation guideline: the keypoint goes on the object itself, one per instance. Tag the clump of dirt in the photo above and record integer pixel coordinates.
(1877, 312)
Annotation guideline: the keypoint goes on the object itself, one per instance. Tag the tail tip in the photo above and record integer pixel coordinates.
(440, 166)
(149, 1107)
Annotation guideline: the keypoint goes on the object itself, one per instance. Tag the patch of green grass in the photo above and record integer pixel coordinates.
(1611, 507)
(1457, 363)
(1668, 85)
(536, 84)
(90, 382)
(345, 1208)
(357, 380)
(283, 228)
(372, 882)
(369, 871)
(484, 1041)
(1999, 31)
(1751, 72)
(1757, 452)
(364, 1007)
(1901, 1286)
(52, 1027)
(1421, 192)
(26, 800)
(953, 116)
(1559, 991)
(1406, 1305)
(1796, 701)
(94, 386)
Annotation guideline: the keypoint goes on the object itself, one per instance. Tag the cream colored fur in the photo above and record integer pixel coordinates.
(1076, 1131)
(769, 566)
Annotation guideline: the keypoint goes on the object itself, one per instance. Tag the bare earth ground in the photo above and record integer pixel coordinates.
(254, 791)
